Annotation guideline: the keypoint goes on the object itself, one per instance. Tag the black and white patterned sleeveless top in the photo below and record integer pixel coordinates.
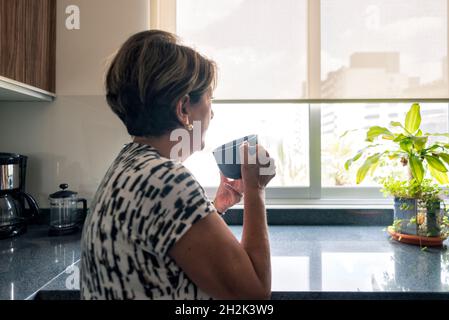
(144, 204)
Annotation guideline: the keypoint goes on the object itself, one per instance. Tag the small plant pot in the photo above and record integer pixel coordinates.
(416, 240)
(433, 212)
(416, 218)
(405, 211)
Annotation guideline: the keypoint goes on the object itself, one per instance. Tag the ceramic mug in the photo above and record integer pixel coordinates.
(227, 156)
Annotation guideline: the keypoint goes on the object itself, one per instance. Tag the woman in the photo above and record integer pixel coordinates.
(152, 233)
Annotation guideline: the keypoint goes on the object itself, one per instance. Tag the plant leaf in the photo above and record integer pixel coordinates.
(419, 133)
(441, 177)
(419, 142)
(417, 168)
(406, 144)
(374, 167)
(434, 147)
(347, 131)
(438, 134)
(396, 124)
(363, 170)
(436, 163)
(444, 157)
(393, 155)
(399, 137)
(376, 131)
(350, 161)
(413, 118)
(359, 153)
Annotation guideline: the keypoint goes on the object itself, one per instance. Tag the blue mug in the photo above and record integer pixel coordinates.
(227, 156)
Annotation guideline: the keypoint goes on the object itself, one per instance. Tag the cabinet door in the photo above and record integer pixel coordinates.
(40, 43)
(28, 42)
(12, 39)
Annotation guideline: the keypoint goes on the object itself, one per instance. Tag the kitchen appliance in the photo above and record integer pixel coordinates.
(64, 217)
(13, 216)
(227, 156)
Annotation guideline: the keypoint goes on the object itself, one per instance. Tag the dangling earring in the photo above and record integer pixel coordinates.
(189, 126)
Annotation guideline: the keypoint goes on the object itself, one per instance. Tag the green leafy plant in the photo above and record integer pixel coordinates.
(427, 191)
(397, 225)
(408, 145)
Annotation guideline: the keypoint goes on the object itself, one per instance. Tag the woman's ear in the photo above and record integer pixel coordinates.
(182, 109)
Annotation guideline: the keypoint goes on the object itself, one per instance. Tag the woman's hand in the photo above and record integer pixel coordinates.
(258, 168)
(229, 193)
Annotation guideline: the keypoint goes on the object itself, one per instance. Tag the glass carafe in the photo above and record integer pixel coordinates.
(8, 211)
(64, 217)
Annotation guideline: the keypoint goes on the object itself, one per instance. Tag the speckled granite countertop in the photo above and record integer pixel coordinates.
(34, 260)
(304, 258)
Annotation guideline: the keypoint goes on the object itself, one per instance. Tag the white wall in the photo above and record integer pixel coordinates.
(74, 139)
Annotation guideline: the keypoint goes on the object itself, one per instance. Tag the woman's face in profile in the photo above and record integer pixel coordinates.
(202, 111)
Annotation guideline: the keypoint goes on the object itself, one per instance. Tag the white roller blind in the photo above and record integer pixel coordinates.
(259, 45)
(383, 49)
(367, 49)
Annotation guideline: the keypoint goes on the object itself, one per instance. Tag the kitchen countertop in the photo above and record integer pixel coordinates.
(304, 259)
(33, 260)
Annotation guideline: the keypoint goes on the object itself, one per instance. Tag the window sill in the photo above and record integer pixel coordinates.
(319, 215)
(328, 206)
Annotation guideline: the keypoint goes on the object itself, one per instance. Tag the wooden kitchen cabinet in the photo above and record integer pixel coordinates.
(28, 42)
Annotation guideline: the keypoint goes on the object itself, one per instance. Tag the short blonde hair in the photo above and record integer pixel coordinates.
(149, 74)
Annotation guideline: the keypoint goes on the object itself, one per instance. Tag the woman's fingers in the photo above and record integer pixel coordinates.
(223, 179)
(247, 151)
(232, 189)
(244, 153)
(237, 185)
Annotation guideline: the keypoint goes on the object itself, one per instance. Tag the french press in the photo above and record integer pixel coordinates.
(64, 217)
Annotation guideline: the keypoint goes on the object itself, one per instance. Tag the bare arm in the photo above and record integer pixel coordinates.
(255, 238)
(215, 260)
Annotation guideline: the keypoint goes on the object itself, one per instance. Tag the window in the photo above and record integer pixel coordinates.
(340, 118)
(282, 129)
(384, 49)
(302, 72)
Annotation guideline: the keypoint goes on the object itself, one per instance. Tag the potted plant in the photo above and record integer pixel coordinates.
(417, 198)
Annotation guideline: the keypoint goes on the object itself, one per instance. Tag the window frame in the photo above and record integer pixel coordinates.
(163, 16)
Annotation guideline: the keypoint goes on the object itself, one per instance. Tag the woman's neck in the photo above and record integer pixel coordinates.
(163, 145)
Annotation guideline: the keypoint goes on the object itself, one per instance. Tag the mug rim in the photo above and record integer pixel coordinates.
(231, 145)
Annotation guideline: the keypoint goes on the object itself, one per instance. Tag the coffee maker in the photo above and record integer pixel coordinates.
(13, 215)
